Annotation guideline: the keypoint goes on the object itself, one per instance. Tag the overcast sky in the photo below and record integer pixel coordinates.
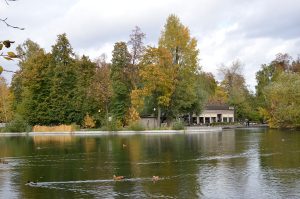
(253, 31)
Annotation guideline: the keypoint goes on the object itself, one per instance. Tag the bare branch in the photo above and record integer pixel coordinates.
(6, 1)
(9, 71)
(8, 25)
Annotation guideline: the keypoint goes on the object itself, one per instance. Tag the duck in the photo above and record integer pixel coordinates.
(31, 183)
(118, 177)
(3, 161)
(155, 178)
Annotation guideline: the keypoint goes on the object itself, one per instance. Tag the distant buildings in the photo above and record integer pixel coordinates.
(213, 114)
(210, 114)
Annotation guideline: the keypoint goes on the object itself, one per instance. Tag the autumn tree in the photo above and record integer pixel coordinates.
(31, 84)
(136, 45)
(120, 82)
(205, 88)
(183, 48)
(158, 75)
(101, 88)
(282, 108)
(270, 72)
(236, 90)
(137, 49)
(26, 51)
(6, 102)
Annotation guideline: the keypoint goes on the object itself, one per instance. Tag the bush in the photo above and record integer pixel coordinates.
(136, 126)
(89, 122)
(178, 125)
(18, 124)
(114, 125)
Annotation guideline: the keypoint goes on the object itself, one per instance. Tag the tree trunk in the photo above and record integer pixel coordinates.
(158, 116)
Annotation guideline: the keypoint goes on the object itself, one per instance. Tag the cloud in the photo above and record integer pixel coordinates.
(252, 31)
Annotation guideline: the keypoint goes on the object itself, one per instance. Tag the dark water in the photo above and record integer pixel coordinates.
(256, 163)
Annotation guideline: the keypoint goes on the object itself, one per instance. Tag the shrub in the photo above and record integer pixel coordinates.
(113, 125)
(59, 128)
(178, 125)
(136, 126)
(88, 121)
(18, 124)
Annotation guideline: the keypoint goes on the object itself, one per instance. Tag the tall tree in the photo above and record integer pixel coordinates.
(137, 45)
(237, 93)
(83, 101)
(137, 49)
(177, 40)
(31, 84)
(63, 82)
(101, 89)
(26, 51)
(120, 82)
(158, 77)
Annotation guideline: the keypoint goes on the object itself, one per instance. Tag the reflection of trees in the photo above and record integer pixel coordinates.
(280, 168)
(284, 147)
(187, 164)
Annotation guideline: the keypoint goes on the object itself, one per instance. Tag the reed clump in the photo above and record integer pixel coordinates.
(59, 128)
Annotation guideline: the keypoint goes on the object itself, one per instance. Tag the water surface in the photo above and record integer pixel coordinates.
(245, 163)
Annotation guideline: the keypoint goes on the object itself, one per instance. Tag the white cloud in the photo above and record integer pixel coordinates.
(252, 31)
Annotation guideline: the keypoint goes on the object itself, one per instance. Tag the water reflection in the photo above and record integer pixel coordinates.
(255, 163)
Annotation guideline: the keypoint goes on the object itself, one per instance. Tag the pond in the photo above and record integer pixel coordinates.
(241, 163)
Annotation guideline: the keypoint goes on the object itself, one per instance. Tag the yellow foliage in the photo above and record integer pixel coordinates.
(6, 102)
(88, 121)
(137, 98)
(132, 115)
(60, 128)
(158, 75)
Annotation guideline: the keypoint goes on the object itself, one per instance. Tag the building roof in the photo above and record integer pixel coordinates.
(218, 107)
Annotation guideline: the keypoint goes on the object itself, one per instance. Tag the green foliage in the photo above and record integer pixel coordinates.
(18, 124)
(237, 93)
(120, 82)
(136, 126)
(53, 88)
(183, 48)
(283, 101)
(178, 125)
(269, 74)
(113, 125)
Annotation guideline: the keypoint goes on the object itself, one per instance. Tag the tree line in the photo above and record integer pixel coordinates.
(59, 87)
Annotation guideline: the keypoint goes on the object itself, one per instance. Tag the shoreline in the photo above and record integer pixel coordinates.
(146, 132)
(188, 130)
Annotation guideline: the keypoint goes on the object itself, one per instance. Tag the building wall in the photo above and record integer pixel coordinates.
(209, 116)
(148, 123)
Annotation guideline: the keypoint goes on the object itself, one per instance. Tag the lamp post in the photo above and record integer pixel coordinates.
(155, 123)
